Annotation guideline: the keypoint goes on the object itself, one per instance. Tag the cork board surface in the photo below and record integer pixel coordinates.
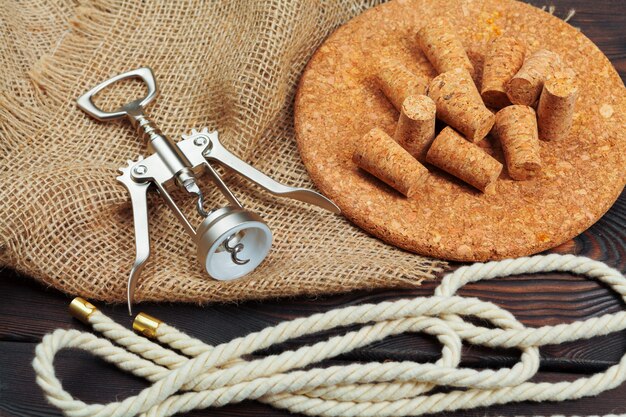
(338, 102)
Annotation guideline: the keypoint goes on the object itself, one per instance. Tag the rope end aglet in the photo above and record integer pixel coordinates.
(146, 325)
(81, 309)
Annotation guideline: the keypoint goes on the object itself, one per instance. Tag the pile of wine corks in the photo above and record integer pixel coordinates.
(524, 97)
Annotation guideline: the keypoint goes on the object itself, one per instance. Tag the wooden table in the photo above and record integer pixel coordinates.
(28, 311)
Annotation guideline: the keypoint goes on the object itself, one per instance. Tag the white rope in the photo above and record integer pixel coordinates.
(201, 376)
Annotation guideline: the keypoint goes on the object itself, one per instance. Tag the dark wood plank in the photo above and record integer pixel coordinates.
(28, 311)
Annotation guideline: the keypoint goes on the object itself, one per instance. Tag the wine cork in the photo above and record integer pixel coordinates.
(439, 42)
(516, 128)
(502, 61)
(381, 156)
(459, 104)
(415, 130)
(525, 86)
(397, 82)
(465, 160)
(556, 106)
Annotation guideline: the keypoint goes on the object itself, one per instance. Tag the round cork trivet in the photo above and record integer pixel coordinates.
(582, 175)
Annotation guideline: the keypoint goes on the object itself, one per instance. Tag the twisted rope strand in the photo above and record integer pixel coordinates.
(202, 376)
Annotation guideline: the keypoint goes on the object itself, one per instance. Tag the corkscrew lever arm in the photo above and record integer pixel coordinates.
(139, 201)
(220, 154)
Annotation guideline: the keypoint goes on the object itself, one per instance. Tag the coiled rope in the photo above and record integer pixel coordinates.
(193, 375)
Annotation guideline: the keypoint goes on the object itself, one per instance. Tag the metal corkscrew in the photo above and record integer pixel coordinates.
(231, 241)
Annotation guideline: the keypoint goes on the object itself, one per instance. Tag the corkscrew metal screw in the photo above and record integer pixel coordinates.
(232, 241)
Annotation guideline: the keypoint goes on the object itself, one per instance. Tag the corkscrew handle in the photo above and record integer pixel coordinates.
(85, 102)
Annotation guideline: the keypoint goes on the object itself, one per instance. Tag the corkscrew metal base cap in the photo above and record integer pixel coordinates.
(232, 242)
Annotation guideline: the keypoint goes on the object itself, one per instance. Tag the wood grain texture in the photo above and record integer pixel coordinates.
(28, 311)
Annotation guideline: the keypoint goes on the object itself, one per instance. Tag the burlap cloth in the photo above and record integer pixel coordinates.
(229, 65)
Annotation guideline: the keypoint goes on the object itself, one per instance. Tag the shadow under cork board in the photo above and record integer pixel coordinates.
(582, 175)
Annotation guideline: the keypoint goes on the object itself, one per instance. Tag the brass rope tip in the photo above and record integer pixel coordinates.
(146, 325)
(81, 309)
